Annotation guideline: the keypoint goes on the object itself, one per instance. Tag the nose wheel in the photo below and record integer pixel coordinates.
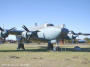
(57, 48)
(50, 46)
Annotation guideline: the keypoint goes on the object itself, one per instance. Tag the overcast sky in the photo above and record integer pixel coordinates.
(75, 14)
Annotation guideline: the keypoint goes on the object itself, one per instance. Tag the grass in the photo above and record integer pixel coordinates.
(38, 56)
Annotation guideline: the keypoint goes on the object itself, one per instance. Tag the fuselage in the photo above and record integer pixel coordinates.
(47, 34)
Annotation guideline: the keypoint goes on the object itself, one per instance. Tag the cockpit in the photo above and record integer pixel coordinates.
(47, 25)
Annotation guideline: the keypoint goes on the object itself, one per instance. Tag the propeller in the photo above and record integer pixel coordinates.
(24, 27)
(4, 33)
(1, 29)
(72, 35)
(29, 34)
(73, 32)
(12, 29)
(75, 35)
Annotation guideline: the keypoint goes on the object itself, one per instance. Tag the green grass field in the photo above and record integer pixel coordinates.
(38, 56)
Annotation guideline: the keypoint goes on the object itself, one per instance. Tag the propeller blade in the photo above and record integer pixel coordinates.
(24, 27)
(12, 29)
(73, 32)
(1, 29)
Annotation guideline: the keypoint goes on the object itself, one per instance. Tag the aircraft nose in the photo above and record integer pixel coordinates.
(64, 31)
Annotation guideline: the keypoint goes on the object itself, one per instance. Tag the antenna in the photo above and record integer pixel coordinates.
(3, 26)
(36, 24)
(63, 26)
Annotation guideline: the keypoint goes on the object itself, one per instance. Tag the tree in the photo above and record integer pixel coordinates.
(87, 40)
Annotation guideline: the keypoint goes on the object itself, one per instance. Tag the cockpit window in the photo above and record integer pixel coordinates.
(50, 25)
(46, 25)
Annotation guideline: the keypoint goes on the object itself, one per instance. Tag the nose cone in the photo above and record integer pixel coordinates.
(64, 32)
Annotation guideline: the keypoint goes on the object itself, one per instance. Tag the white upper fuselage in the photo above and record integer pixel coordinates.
(49, 33)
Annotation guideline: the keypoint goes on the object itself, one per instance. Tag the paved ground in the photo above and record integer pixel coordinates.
(38, 56)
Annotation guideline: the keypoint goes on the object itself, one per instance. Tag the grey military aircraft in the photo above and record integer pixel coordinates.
(49, 34)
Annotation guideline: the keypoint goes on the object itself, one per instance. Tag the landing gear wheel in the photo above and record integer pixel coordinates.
(20, 46)
(50, 46)
(56, 48)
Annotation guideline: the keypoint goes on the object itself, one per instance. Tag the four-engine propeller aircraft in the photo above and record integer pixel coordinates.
(49, 34)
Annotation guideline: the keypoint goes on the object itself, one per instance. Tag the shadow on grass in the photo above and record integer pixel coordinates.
(41, 49)
(44, 49)
(73, 49)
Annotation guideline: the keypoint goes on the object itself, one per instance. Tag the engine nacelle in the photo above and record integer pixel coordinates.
(3, 34)
(26, 35)
(71, 36)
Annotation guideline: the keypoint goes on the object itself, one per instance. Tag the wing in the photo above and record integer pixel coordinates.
(85, 34)
(5, 32)
(16, 32)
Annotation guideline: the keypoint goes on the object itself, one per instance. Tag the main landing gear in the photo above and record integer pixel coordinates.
(20, 46)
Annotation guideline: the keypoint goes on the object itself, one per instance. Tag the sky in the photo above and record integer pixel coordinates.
(75, 14)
